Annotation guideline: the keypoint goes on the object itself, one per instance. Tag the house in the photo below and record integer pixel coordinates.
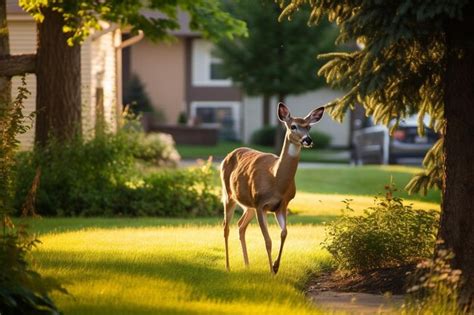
(184, 76)
(100, 70)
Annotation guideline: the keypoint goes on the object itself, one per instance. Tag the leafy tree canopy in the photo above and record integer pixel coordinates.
(398, 70)
(83, 16)
(277, 58)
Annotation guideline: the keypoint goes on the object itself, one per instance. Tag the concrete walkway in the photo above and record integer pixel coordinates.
(356, 303)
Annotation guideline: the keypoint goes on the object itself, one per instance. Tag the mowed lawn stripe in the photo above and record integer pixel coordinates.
(178, 270)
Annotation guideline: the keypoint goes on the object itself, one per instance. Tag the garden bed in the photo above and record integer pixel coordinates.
(376, 281)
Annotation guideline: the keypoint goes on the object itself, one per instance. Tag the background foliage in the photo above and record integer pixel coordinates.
(22, 289)
(101, 176)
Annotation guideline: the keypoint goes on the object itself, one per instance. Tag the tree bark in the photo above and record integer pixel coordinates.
(17, 64)
(58, 73)
(266, 110)
(457, 218)
(5, 80)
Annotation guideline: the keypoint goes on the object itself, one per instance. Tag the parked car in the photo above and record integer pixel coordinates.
(372, 144)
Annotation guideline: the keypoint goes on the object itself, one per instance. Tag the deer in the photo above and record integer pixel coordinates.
(263, 182)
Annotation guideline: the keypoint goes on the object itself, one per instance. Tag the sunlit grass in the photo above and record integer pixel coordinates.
(178, 270)
(176, 266)
(324, 205)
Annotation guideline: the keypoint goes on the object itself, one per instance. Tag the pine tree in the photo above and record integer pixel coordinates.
(269, 62)
(416, 56)
(136, 96)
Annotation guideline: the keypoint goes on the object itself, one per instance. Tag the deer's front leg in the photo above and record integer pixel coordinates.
(262, 221)
(281, 218)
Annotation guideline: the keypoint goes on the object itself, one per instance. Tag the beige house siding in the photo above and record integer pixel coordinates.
(87, 90)
(98, 66)
(163, 63)
(23, 41)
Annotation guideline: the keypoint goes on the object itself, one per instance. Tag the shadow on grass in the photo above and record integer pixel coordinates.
(60, 225)
(128, 309)
(202, 281)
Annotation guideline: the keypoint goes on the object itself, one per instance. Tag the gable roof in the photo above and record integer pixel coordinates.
(183, 20)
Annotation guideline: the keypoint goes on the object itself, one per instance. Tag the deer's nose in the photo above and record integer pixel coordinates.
(306, 141)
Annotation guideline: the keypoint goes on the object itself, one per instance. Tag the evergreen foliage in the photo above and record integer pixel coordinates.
(136, 96)
(399, 69)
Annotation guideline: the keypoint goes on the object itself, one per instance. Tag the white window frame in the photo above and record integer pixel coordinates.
(234, 106)
(201, 60)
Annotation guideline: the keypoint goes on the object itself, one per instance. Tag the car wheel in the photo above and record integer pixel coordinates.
(391, 159)
(355, 159)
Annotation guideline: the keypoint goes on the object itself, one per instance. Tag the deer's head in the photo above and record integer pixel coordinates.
(297, 128)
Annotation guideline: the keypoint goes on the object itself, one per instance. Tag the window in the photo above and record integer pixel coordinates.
(216, 68)
(225, 115)
(207, 68)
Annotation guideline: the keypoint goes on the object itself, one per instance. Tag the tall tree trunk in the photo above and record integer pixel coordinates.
(457, 219)
(5, 81)
(266, 110)
(58, 73)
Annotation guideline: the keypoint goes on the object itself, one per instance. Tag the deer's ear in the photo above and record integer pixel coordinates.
(283, 112)
(315, 116)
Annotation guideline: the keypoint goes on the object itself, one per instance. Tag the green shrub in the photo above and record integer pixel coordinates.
(321, 140)
(76, 176)
(264, 136)
(22, 290)
(99, 177)
(182, 118)
(388, 234)
(156, 148)
(170, 193)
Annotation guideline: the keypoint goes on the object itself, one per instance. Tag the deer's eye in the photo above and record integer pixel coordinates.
(293, 127)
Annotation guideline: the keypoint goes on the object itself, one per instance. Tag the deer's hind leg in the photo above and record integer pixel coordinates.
(281, 216)
(229, 207)
(243, 223)
(262, 221)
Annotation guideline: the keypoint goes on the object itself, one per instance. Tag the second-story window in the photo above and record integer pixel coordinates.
(207, 67)
(216, 68)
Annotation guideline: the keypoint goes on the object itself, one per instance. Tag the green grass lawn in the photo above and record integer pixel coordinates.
(176, 266)
(223, 148)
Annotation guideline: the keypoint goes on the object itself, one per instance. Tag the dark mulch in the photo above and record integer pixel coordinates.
(377, 281)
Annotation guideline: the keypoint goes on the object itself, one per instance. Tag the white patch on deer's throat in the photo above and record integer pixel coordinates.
(293, 150)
